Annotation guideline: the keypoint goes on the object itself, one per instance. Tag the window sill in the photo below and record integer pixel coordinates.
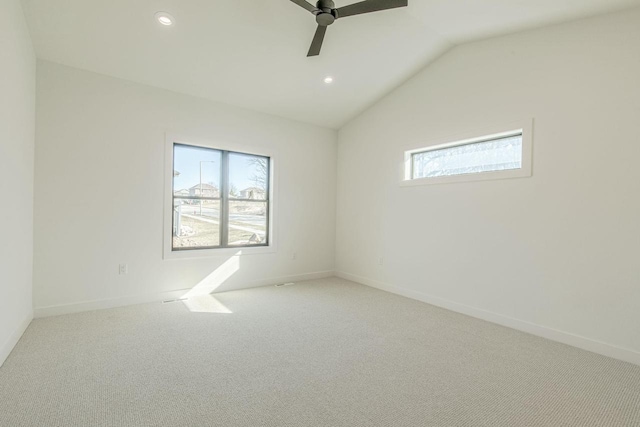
(471, 177)
(223, 252)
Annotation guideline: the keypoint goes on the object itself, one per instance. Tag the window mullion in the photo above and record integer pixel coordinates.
(224, 206)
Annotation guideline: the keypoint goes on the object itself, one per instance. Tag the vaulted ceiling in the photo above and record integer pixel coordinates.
(252, 53)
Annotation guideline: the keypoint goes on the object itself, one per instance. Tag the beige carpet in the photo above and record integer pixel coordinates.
(321, 353)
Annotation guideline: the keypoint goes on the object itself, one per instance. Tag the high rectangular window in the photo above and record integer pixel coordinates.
(220, 199)
(495, 155)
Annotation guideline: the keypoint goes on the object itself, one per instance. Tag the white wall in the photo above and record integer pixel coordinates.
(555, 254)
(100, 147)
(17, 124)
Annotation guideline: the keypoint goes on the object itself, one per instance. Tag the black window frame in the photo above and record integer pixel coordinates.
(224, 199)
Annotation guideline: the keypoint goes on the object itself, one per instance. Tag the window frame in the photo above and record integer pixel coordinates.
(483, 135)
(225, 149)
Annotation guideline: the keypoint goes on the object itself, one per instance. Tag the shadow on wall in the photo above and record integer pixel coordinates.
(199, 298)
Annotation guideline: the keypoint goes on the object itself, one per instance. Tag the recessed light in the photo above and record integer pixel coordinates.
(328, 80)
(164, 18)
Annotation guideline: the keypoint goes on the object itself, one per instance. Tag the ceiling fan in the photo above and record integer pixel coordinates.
(326, 14)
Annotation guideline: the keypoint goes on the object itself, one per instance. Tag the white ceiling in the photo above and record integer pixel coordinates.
(252, 53)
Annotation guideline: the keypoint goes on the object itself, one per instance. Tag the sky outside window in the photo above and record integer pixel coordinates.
(244, 170)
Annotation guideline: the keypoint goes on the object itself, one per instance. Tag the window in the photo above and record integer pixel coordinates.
(498, 155)
(220, 199)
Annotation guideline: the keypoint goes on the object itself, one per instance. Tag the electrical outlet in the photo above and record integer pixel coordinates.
(123, 269)
(380, 261)
(294, 256)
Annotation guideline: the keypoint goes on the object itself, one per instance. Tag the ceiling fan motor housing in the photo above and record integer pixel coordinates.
(327, 14)
(326, 5)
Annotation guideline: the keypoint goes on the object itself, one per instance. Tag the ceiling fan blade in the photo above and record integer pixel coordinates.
(316, 44)
(370, 6)
(302, 3)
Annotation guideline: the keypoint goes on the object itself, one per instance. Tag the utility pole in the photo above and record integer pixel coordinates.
(201, 194)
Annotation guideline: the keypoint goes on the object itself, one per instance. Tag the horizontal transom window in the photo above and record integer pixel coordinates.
(496, 154)
(492, 156)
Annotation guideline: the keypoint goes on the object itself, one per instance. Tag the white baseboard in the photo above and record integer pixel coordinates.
(57, 310)
(13, 339)
(573, 340)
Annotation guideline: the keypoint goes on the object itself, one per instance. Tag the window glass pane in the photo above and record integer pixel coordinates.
(247, 223)
(494, 155)
(248, 176)
(196, 223)
(196, 172)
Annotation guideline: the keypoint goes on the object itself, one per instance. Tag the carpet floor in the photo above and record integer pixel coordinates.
(320, 353)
